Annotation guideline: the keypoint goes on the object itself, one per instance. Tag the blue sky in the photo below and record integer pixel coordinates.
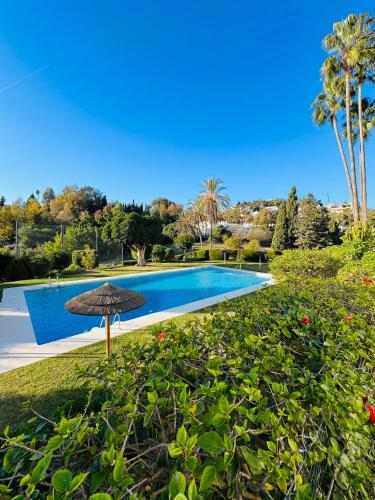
(147, 98)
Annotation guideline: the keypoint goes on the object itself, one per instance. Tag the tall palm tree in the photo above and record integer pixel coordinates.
(214, 200)
(326, 107)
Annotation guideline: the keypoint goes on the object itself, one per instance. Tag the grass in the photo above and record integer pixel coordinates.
(54, 381)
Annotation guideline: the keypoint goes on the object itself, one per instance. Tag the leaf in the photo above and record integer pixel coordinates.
(97, 480)
(182, 395)
(25, 480)
(211, 442)
(224, 405)
(55, 442)
(39, 471)
(282, 484)
(77, 481)
(180, 496)
(148, 414)
(118, 470)
(252, 460)
(208, 477)
(271, 446)
(61, 480)
(101, 496)
(192, 490)
(182, 436)
(293, 445)
(152, 397)
(177, 484)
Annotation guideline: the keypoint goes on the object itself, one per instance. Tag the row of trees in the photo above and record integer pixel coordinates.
(348, 68)
(304, 224)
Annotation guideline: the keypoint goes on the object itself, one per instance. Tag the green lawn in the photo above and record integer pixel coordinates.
(54, 381)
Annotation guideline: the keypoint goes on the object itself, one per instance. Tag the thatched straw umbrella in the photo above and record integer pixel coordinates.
(104, 301)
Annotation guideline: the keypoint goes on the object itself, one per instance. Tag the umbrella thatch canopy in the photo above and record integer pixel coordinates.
(104, 301)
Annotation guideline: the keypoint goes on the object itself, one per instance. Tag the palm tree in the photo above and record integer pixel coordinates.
(352, 47)
(326, 107)
(213, 200)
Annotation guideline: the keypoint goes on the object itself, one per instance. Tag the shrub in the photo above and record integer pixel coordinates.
(251, 251)
(201, 254)
(38, 263)
(234, 242)
(5, 259)
(358, 270)
(265, 399)
(17, 270)
(169, 254)
(270, 254)
(158, 253)
(184, 241)
(86, 258)
(73, 269)
(59, 260)
(295, 264)
(215, 254)
(219, 234)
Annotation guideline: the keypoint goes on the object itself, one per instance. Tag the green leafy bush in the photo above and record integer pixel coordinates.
(270, 254)
(17, 270)
(263, 395)
(5, 259)
(215, 254)
(169, 254)
(158, 253)
(359, 270)
(295, 264)
(201, 254)
(86, 258)
(73, 269)
(220, 233)
(234, 242)
(251, 250)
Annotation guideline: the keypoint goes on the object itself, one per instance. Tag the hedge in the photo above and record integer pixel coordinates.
(215, 254)
(260, 399)
(301, 264)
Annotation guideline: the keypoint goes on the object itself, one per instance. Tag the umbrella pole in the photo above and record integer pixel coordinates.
(108, 339)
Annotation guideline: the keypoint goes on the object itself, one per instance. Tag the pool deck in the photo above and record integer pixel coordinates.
(17, 340)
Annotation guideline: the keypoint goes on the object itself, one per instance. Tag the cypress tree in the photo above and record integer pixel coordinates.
(312, 230)
(280, 236)
(292, 216)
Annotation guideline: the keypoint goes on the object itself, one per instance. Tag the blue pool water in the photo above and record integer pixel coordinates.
(163, 291)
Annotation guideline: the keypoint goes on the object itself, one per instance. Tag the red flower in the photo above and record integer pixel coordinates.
(371, 409)
(161, 336)
(368, 281)
(306, 320)
(348, 317)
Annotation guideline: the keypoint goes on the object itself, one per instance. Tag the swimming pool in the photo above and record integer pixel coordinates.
(164, 291)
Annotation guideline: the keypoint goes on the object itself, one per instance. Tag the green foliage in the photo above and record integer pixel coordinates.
(358, 271)
(291, 212)
(201, 254)
(169, 254)
(251, 251)
(219, 234)
(5, 259)
(249, 398)
(86, 258)
(280, 236)
(312, 229)
(73, 269)
(234, 242)
(170, 231)
(215, 254)
(16, 270)
(302, 264)
(184, 241)
(158, 253)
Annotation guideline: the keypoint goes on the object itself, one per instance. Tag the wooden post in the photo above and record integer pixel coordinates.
(108, 339)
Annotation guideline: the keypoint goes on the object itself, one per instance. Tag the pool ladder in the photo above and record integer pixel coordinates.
(116, 317)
